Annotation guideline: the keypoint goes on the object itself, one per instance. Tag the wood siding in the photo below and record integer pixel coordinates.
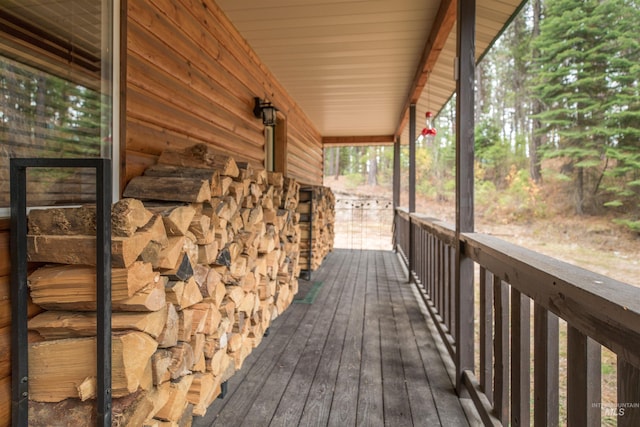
(192, 78)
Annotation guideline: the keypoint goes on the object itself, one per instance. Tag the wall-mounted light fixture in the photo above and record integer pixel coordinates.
(266, 111)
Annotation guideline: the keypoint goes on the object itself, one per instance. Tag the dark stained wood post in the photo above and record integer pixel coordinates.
(583, 379)
(412, 158)
(396, 174)
(628, 410)
(412, 183)
(396, 191)
(545, 371)
(464, 184)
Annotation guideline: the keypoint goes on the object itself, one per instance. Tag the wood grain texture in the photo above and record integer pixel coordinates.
(329, 363)
(192, 78)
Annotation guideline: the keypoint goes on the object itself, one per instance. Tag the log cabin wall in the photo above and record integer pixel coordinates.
(192, 78)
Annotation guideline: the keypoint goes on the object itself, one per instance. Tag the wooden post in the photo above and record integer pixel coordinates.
(396, 192)
(412, 158)
(583, 379)
(412, 184)
(628, 410)
(545, 371)
(486, 332)
(396, 174)
(520, 358)
(464, 184)
(501, 350)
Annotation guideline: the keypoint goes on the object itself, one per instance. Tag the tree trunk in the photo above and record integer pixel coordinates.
(580, 192)
(536, 140)
(372, 178)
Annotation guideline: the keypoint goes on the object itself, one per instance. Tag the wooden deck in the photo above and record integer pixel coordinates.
(360, 354)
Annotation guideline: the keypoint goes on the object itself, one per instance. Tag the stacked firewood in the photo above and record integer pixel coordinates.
(317, 210)
(204, 256)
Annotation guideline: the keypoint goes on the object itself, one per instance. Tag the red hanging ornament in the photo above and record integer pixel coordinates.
(429, 130)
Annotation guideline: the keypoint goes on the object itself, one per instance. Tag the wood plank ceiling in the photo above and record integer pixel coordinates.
(355, 66)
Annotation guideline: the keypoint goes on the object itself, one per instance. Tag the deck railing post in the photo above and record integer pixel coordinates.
(628, 410)
(412, 184)
(464, 185)
(396, 192)
(583, 379)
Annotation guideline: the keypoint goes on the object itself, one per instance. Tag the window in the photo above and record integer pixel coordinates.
(55, 93)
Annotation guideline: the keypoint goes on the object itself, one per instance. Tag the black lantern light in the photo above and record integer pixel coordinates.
(266, 111)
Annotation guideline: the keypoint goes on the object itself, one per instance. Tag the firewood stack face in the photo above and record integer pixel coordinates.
(317, 210)
(205, 255)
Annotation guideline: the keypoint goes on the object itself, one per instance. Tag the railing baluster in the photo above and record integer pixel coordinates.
(628, 409)
(441, 286)
(446, 283)
(545, 356)
(501, 350)
(520, 358)
(452, 289)
(486, 332)
(583, 379)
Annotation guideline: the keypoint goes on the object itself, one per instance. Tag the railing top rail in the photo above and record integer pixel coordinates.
(443, 230)
(600, 307)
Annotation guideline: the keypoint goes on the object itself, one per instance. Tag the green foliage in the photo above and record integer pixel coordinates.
(629, 224)
(588, 83)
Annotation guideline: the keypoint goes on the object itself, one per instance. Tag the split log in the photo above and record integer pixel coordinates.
(208, 253)
(182, 271)
(210, 313)
(65, 324)
(177, 402)
(219, 363)
(191, 294)
(177, 219)
(204, 389)
(182, 360)
(57, 368)
(163, 170)
(169, 335)
(72, 287)
(185, 325)
(160, 363)
(170, 255)
(168, 189)
(201, 156)
(149, 298)
(82, 249)
(127, 216)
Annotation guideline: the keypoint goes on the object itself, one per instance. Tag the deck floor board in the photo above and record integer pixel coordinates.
(360, 354)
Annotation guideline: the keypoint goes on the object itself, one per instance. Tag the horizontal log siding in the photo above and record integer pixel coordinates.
(192, 78)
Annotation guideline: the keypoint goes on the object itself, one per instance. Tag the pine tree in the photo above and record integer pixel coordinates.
(587, 87)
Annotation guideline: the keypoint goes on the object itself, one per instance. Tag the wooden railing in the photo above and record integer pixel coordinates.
(509, 281)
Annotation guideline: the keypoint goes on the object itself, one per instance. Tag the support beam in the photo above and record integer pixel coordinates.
(464, 185)
(442, 26)
(333, 141)
(412, 158)
(396, 174)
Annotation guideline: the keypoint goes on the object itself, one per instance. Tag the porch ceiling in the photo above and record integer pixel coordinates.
(355, 66)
